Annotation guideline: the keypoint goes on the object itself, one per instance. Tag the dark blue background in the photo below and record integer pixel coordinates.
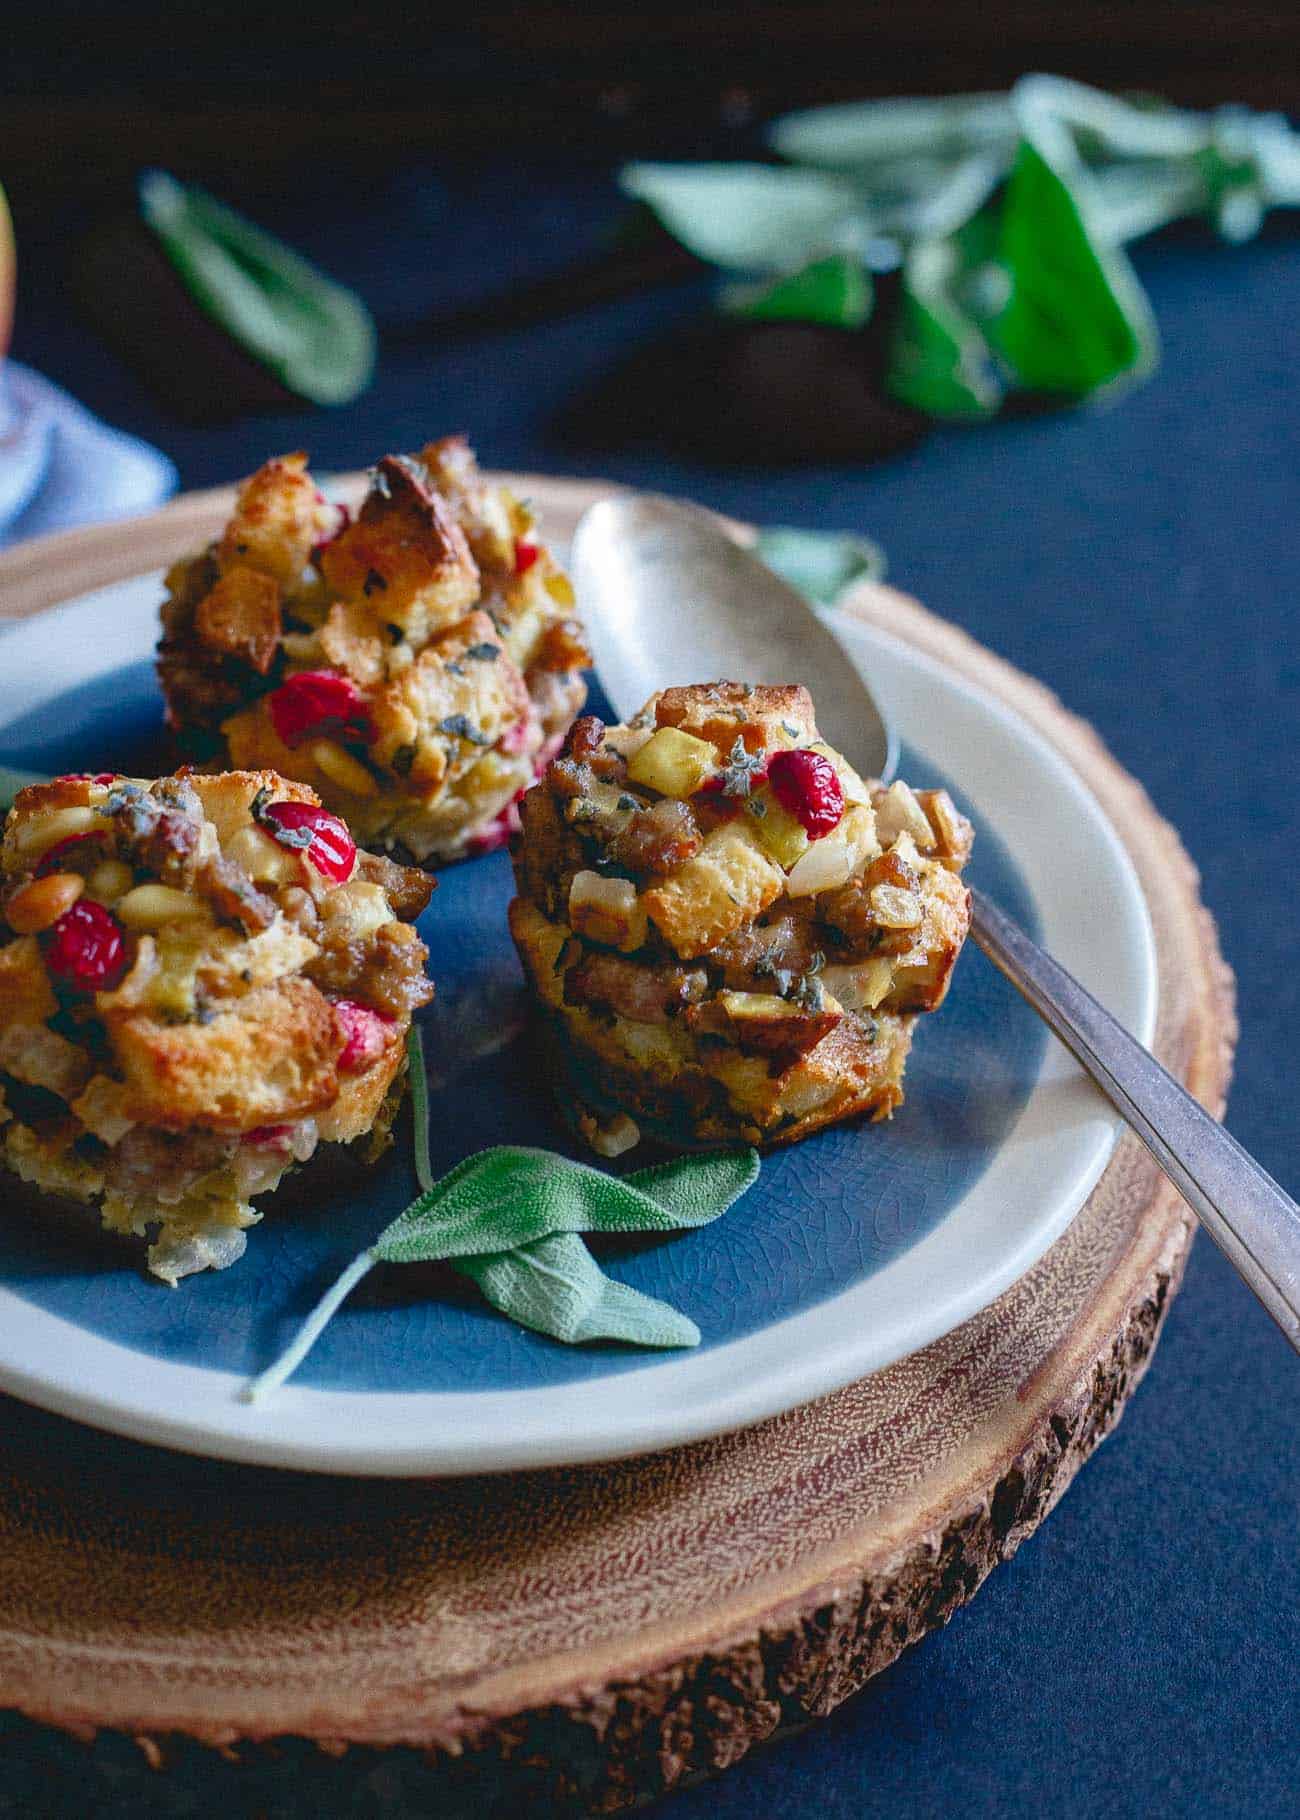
(1140, 1654)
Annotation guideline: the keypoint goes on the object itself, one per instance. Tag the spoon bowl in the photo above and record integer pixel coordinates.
(671, 598)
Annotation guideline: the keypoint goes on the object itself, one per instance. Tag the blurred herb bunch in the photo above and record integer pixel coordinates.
(1005, 218)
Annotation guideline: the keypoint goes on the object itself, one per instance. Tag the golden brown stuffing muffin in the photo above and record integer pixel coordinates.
(416, 666)
(730, 932)
(201, 979)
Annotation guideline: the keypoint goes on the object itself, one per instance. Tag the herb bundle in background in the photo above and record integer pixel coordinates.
(1002, 220)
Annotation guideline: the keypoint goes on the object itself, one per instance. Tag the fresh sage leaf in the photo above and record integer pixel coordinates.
(556, 1287)
(316, 337)
(821, 564)
(940, 361)
(861, 135)
(1077, 318)
(496, 1216)
(751, 217)
(836, 292)
(513, 1194)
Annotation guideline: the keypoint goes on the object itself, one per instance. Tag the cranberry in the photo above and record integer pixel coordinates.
(319, 702)
(86, 948)
(365, 1035)
(270, 1137)
(526, 554)
(320, 835)
(87, 777)
(719, 806)
(808, 785)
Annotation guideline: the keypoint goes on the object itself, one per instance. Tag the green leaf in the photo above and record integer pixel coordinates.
(751, 217)
(821, 564)
(940, 361)
(512, 1194)
(1077, 318)
(508, 1219)
(556, 1287)
(836, 292)
(860, 135)
(316, 337)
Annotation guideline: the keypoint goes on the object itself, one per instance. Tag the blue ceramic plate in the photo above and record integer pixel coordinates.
(852, 1249)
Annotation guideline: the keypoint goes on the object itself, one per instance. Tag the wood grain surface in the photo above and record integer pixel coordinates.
(590, 1637)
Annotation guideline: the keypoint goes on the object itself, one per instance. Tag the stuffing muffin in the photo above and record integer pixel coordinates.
(201, 980)
(731, 934)
(416, 666)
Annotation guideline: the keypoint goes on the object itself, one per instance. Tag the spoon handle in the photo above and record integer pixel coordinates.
(1247, 1214)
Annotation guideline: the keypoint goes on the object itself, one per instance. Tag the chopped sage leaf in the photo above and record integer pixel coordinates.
(460, 726)
(742, 769)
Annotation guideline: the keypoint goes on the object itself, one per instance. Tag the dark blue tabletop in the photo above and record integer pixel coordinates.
(1140, 1653)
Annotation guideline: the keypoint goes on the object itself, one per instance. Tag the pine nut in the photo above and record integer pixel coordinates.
(37, 836)
(342, 769)
(264, 859)
(152, 906)
(110, 880)
(40, 905)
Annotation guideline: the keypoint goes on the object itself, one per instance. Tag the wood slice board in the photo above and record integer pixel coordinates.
(593, 1636)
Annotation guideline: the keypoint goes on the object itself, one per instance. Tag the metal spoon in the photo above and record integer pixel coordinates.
(668, 597)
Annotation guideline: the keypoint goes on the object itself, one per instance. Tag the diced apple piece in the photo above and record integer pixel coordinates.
(608, 911)
(778, 832)
(674, 763)
(833, 860)
(898, 812)
(860, 986)
(728, 883)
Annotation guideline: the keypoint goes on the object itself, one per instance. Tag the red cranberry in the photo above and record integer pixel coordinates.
(719, 806)
(270, 1137)
(320, 835)
(365, 1035)
(87, 777)
(86, 948)
(808, 785)
(318, 702)
(526, 554)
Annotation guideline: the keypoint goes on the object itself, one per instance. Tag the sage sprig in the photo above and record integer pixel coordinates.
(509, 1217)
(314, 335)
(1005, 217)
